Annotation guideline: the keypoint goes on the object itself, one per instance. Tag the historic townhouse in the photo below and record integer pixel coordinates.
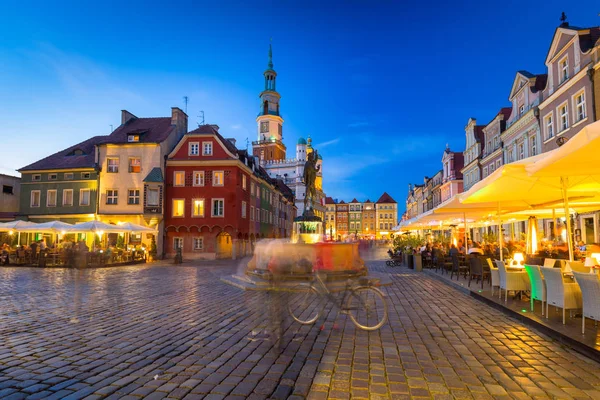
(132, 169)
(427, 194)
(63, 186)
(472, 154)
(491, 158)
(9, 197)
(411, 203)
(437, 188)
(330, 226)
(341, 218)
(369, 217)
(452, 178)
(522, 137)
(219, 199)
(387, 215)
(355, 217)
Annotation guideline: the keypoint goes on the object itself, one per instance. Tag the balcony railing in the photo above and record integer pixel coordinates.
(525, 110)
(267, 140)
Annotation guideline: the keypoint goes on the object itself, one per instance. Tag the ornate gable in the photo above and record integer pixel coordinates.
(562, 36)
(522, 78)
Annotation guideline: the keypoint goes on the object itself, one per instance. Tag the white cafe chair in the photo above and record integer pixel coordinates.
(590, 291)
(560, 294)
(510, 280)
(494, 274)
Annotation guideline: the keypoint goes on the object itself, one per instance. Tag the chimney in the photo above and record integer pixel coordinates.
(126, 116)
(215, 127)
(180, 120)
(232, 140)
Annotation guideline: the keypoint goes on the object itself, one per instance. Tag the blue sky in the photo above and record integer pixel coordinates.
(380, 86)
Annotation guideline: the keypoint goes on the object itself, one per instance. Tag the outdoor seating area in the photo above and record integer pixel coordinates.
(83, 245)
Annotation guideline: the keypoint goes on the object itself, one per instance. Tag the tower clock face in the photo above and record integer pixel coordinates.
(264, 127)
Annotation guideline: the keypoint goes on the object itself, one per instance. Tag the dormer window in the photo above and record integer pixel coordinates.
(133, 138)
(564, 69)
(78, 152)
(521, 109)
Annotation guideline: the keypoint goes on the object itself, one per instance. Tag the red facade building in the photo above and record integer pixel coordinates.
(219, 200)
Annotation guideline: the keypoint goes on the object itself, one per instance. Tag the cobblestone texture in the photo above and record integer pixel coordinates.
(177, 332)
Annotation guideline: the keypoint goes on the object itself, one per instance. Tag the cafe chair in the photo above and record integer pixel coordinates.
(476, 270)
(560, 294)
(538, 286)
(494, 275)
(457, 268)
(510, 280)
(590, 292)
(549, 262)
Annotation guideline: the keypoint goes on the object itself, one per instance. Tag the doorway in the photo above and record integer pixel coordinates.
(224, 245)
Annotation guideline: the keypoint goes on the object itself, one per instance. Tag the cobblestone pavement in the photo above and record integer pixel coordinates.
(162, 331)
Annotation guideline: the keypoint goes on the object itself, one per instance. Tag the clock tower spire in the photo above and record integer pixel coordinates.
(269, 146)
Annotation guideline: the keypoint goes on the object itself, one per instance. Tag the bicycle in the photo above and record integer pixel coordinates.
(365, 305)
(393, 263)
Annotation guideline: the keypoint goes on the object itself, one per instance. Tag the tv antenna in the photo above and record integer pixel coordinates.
(201, 116)
(247, 144)
(186, 101)
(111, 127)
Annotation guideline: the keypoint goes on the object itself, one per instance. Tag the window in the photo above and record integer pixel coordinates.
(52, 177)
(257, 214)
(243, 209)
(198, 243)
(197, 207)
(218, 206)
(85, 175)
(178, 178)
(380, 225)
(133, 196)
(564, 69)
(7, 189)
(549, 127)
(358, 225)
(84, 197)
(207, 148)
(485, 171)
(498, 163)
(133, 138)
(251, 213)
(563, 111)
(251, 188)
(264, 127)
(112, 196)
(532, 145)
(68, 176)
(521, 109)
(113, 165)
(135, 165)
(352, 225)
(194, 149)
(51, 198)
(67, 199)
(580, 106)
(218, 178)
(491, 168)
(178, 208)
(152, 197)
(243, 181)
(35, 198)
(198, 178)
(521, 149)
(178, 243)
(36, 177)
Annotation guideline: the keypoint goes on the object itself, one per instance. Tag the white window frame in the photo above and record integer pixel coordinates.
(549, 125)
(157, 197)
(563, 127)
(251, 188)
(244, 183)
(193, 148)
(53, 176)
(64, 203)
(129, 197)
(175, 173)
(133, 138)
(498, 164)
(36, 177)
(177, 240)
(212, 208)
(195, 241)
(244, 207)
(39, 199)
(576, 106)
(114, 195)
(194, 200)
(48, 197)
(215, 173)
(563, 66)
(532, 145)
(130, 166)
(207, 146)
(198, 174)
(81, 191)
(173, 208)
(251, 213)
(485, 171)
(85, 175)
(112, 169)
(68, 176)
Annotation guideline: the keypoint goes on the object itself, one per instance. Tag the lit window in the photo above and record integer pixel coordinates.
(113, 165)
(178, 208)
(218, 178)
(198, 208)
(198, 178)
(84, 197)
(207, 148)
(35, 198)
(135, 165)
(133, 138)
(243, 209)
(179, 178)
(178, 243)
(133, 196)
(564, 69)
(564, 117)
(152, 197)
(549, 127)
(112, 196)
(194, 149)
(580, 106)
(218, 207)
(67, 199)
(243, 181)
(198, 243)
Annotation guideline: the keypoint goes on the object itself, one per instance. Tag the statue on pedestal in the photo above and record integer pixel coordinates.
(310, 177)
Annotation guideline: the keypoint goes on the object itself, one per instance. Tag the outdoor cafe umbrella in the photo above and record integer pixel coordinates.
(51, 227)
(16, 226)
(131, 227)
(94, 226)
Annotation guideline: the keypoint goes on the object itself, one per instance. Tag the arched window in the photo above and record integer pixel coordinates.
(265, 108)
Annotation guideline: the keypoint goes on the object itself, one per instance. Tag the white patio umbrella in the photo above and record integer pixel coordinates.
(94, 226)
(15, 225)
(131, 227)
(51, 227)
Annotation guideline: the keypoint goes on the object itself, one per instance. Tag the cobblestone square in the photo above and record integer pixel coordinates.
(160, 331)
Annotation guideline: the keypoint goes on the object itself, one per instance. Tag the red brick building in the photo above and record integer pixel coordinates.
(219, 201)
(341, 217)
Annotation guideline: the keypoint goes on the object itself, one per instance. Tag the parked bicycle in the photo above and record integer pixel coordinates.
(393, 263)
(365, 304)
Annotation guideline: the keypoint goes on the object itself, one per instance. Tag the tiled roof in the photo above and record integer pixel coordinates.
(150, 130)
(329, 200)
(154, 176)
(526, 74)
(588, 37)
(69, 158)
(386, 198)
(540, 83)
(354, 200)
(368, 201)
(342, 202)
(506, 111)
(479, 135)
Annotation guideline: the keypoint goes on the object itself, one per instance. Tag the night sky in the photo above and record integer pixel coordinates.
(381, 87)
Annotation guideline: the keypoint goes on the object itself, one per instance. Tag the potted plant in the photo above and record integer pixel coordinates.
(152, 251)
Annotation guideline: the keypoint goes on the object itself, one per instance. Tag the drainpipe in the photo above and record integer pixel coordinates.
(164, 192)
(590, 73)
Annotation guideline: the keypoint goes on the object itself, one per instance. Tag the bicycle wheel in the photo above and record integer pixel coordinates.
(304, 304)
(389, 263)
(367, 308)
